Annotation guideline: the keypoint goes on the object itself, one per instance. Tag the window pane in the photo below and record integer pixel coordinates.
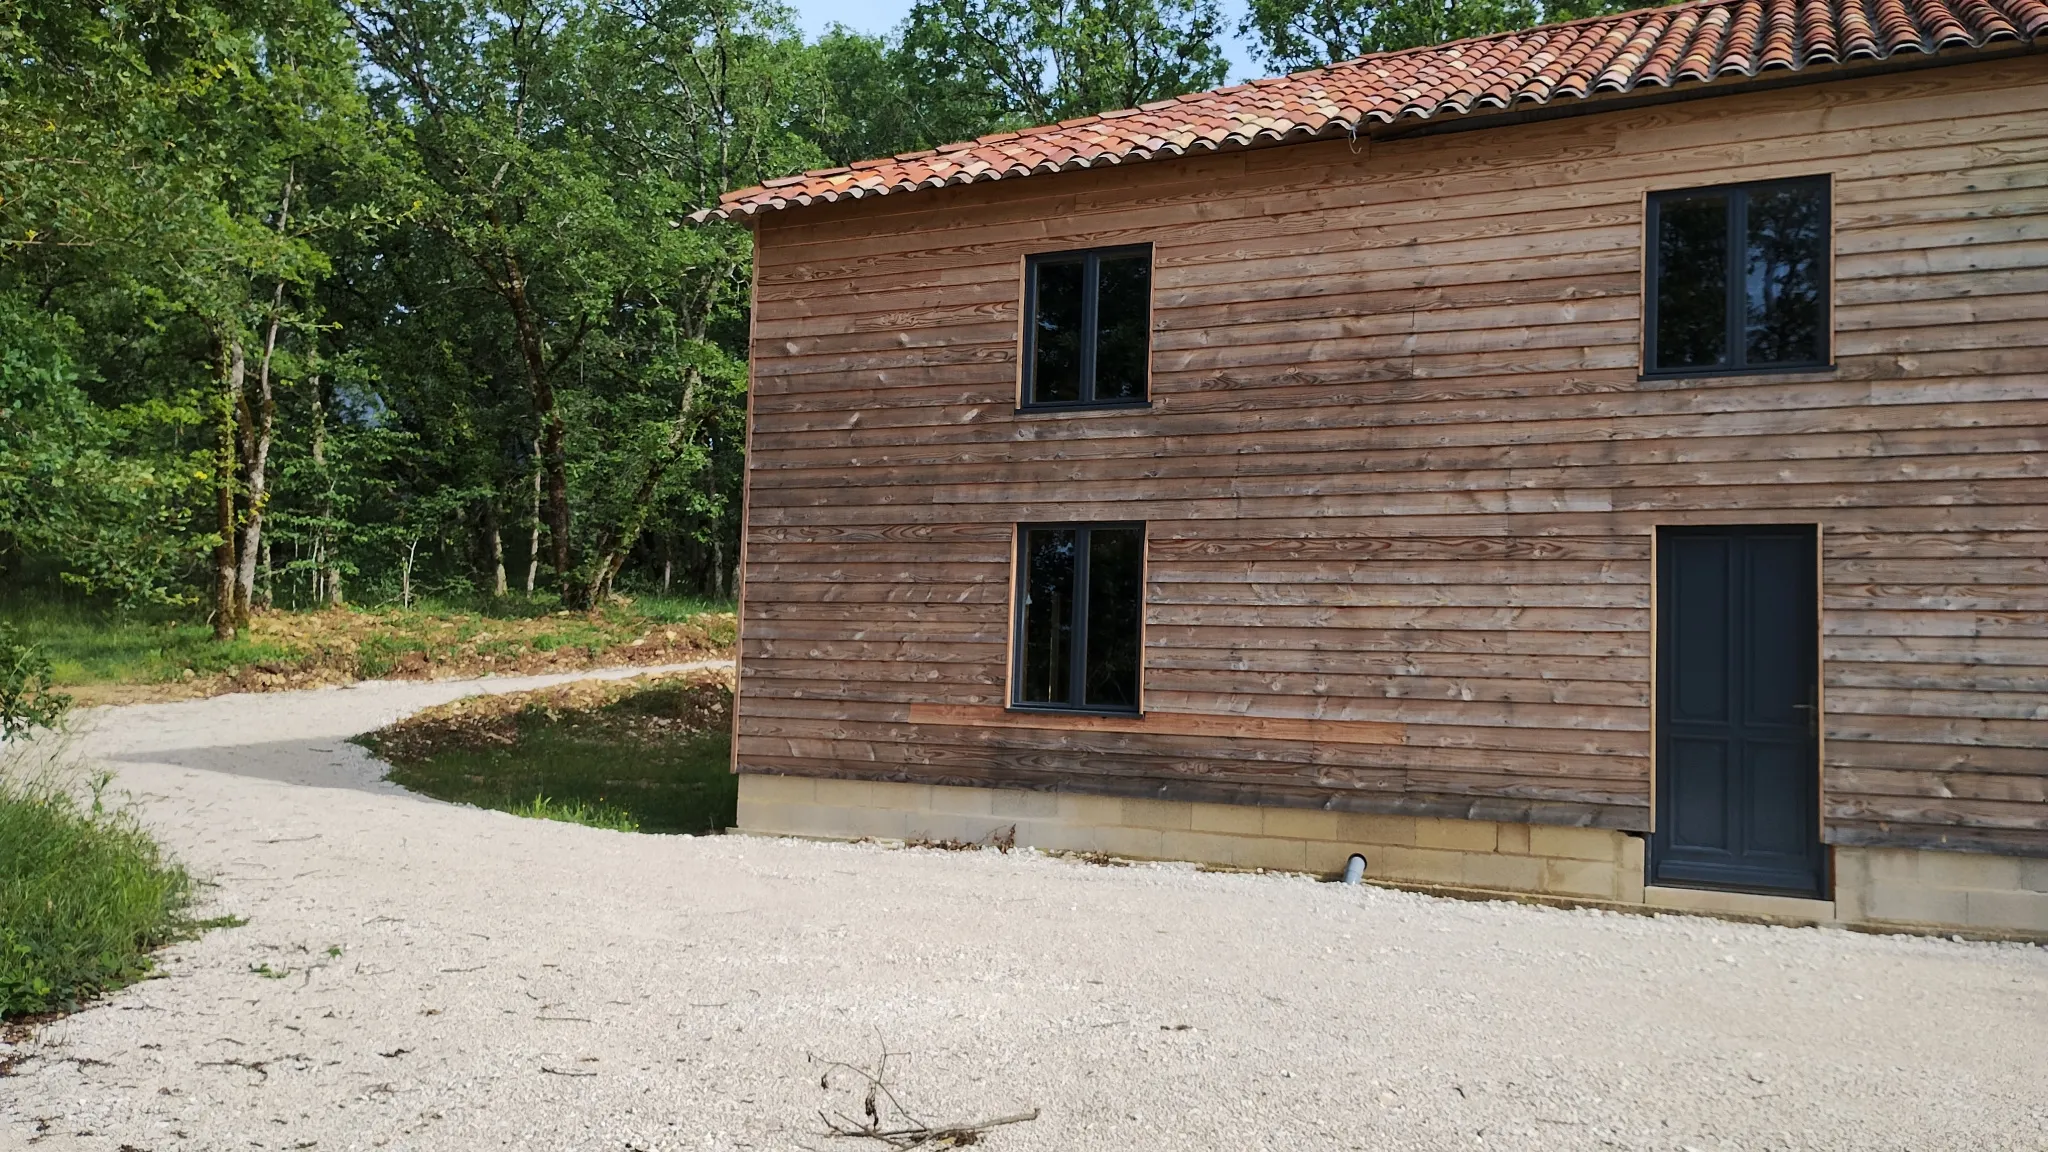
(1784, 280)
(1692, 281)
(1122, 318)
(1056, 334)
(1116, 586)
(1048, 616)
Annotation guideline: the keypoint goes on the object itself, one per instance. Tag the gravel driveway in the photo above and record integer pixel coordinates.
(449, 978)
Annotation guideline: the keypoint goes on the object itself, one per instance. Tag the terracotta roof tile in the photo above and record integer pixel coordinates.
(1687, 43)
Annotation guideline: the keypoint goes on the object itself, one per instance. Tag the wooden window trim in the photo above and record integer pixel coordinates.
(1090, 288)
(1739, 194)
(1077, 659)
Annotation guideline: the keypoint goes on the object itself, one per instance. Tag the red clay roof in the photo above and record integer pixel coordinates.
(1697, 42)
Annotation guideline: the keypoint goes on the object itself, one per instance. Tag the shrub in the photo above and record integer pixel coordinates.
(26, 699)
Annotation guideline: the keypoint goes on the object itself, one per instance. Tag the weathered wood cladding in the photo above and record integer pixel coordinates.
(1400, 471)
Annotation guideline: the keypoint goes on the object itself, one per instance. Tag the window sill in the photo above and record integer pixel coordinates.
(1062, 710)
(1092, 409)
(1815, 371)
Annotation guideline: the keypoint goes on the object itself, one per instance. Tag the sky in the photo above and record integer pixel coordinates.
(878, 16)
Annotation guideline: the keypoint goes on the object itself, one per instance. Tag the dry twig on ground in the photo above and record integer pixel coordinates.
(887, 1121)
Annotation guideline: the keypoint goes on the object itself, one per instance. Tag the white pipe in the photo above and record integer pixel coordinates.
(1354, 869)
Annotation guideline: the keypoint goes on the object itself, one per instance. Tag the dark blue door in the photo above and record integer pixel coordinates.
(1738, 777)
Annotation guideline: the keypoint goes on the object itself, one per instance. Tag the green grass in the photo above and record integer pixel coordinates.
(602, 767)
(576, 812)
(90, 644)
(85, 895)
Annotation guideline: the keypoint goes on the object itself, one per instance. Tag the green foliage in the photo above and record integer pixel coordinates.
(28, 698)
(86, 482)
(976, 66)
(85, 895)
(1295, 34)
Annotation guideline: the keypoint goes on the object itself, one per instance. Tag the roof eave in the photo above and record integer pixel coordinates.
(1484, 114)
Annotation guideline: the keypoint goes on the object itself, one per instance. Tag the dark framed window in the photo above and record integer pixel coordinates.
(1080, 613)
(1737, 279)
(1088, 335)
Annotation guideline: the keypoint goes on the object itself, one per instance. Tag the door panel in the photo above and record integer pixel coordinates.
(1738, 793)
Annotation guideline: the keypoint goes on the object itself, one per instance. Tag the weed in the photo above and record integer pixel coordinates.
(268, 973)
(596, 815)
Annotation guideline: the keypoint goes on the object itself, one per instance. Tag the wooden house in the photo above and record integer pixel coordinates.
(1602, 462)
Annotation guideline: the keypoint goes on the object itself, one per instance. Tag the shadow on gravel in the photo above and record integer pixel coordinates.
(330, 762)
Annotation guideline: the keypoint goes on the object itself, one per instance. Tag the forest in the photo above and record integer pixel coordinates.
(322, 302)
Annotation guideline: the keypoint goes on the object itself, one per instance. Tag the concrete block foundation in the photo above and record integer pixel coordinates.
(1884, 888)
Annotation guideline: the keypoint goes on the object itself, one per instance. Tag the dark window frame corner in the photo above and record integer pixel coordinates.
(1087, 347)
(1078, 617)
(1734, 255)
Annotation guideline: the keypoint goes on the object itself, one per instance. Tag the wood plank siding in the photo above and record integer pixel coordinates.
(1401, 476)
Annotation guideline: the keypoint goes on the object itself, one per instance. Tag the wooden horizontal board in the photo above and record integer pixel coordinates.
(1932, 674)
(1168, 723)
(1581, 672)
(1369, 683)
(1040, 774)
(2023, 789)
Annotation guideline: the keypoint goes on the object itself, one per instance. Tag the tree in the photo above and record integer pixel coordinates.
(862, 105)
(550, 154)
(158, 147)
(981, 65)
(369, 287)
(1296, 34)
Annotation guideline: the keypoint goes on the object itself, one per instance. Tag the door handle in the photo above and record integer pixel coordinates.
(1812, 718)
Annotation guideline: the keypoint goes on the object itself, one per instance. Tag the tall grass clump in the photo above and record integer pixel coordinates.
(85, 894)
(598, 815)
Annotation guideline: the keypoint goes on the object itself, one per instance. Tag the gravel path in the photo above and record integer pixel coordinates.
(459, 979)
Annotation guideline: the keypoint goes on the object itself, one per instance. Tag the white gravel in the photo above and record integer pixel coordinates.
(461, 979)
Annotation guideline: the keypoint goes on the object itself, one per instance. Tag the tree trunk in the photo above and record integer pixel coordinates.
(405, 573)
(256, 421)
(533, 541)
(256, 428)
(497, 541)
(718, 567)
(226, 620)
(326, 574)
(668, 562)
(619, 545)
(553, 456)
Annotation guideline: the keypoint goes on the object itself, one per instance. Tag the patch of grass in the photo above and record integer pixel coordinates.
(95, 648)
(89, 645)
(85, 896)
(576, 812)
(648, 754)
